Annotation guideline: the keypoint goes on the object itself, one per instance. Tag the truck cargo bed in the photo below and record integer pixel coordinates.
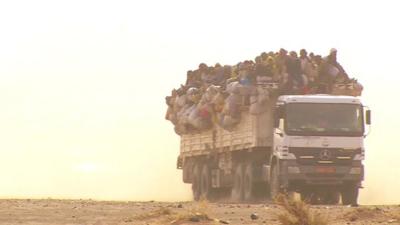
(252, 131)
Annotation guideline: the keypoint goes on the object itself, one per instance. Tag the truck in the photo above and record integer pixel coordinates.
(312, 145)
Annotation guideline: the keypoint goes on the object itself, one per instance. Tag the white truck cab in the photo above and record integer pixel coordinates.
(318, 147)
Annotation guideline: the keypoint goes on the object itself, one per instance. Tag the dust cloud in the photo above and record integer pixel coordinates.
(98, 141)
(105, 146)
(381, 163)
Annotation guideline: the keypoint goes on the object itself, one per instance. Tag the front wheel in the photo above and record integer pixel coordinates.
(350, 194)
(308, 197)
(275, 184)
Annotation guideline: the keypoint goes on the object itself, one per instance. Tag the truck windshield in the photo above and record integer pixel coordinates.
(322, 119)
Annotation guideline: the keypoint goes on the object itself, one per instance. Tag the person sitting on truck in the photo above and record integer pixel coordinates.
(246, 73)
(261, 67)
(311, 56)
(227, 74)
(192, 79)
(330, 72)
(169, 100)
(207, 76)
(271, 63)
(332, 60)
(266, 70)
(325, 80)
(313, 79)
(217, 75)
(189, 77)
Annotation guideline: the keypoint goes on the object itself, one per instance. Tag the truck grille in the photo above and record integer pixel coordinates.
(324, 156)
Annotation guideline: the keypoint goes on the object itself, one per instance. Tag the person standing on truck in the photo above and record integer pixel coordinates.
(306, 70)
(293, 66)
(304, 60)
(281, 59)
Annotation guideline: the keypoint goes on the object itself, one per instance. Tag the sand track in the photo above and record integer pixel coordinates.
(88, 212)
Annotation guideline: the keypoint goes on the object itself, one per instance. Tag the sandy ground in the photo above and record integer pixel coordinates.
(87, 212)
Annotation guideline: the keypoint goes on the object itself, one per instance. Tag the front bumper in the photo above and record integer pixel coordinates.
(294, 174)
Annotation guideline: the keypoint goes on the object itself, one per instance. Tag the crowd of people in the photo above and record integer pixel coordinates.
(216, 94)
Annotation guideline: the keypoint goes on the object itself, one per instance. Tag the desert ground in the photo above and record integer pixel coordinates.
(89, 212)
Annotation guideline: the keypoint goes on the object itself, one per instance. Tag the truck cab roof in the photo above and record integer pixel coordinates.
(319, 98)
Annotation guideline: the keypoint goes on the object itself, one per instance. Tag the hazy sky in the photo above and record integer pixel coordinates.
(82, 85)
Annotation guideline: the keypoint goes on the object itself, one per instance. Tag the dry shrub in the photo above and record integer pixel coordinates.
(298, 212)
(201, 206)
(162, 211)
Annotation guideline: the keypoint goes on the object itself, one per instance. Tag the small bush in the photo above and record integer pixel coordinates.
(298, 212)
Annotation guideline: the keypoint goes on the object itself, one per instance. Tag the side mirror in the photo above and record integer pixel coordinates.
(368, 117)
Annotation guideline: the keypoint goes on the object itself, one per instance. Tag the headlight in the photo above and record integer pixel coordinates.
(283, 153)
(293, 169)
(355, 170)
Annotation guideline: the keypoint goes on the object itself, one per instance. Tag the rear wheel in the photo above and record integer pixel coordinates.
(307, 196)
(350, 194)
(320, 197)
(332, 198)
(237, 189)
(248, 186)
(205, 183)
(196, 183)
(261, 191)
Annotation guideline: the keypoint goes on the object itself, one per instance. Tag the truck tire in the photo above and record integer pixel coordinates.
(308, 197)
(332, 198)
(261, 191)
(196, 182)
(248, 186)
(205, 183)
(350, 194)
(275, 186)
(237, 188)
(317, 197)
(187, 172)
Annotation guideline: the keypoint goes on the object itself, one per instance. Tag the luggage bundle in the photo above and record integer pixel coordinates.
(352, 88)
